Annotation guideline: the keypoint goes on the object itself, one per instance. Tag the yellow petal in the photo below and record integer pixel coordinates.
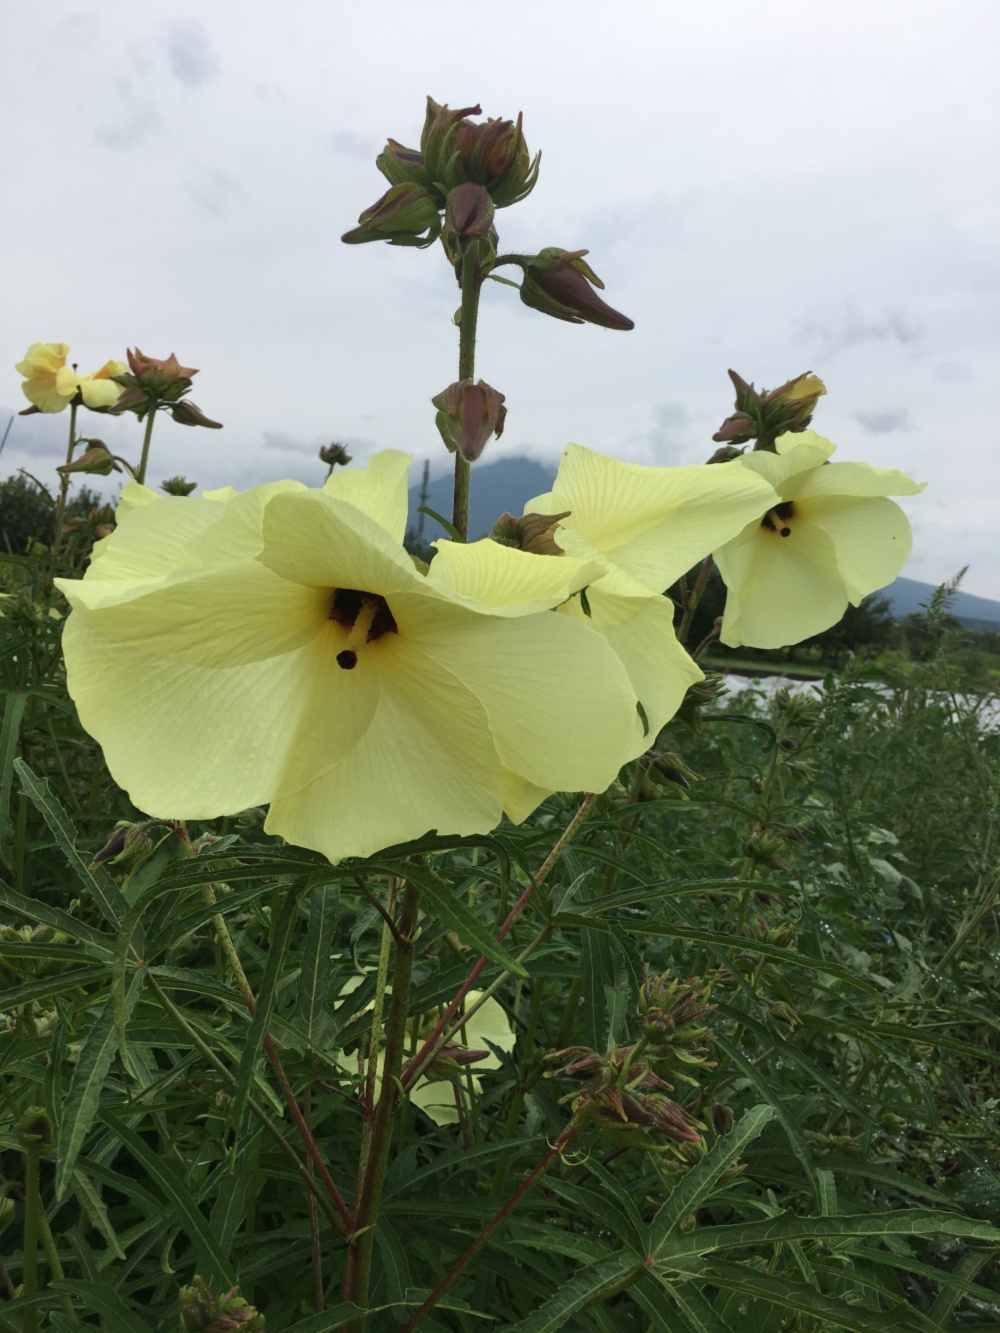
(43, 357)
(857, 479)
(559, 702)
(379, 489)
(425, 762)
(871, 537)
(653, 523)
(99, 392)
(189, 742)
(779, 592)
(508, 581)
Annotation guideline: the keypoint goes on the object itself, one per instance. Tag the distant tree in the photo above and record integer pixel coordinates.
(866, 627)
(27, 511)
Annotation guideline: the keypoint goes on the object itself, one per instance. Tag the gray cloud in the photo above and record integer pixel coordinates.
(215, 191)
(851, 327)
(884, 421)
(345, 143)
(269, 92)
(954, 372)
(135, 120)
(189, 53)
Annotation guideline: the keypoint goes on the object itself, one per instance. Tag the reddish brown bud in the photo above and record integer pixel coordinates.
(559, 283)
(468, 415)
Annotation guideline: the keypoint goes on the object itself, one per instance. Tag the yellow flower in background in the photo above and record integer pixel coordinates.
(281, 647)
(50, 385)
(473, 1048)
(832, 538)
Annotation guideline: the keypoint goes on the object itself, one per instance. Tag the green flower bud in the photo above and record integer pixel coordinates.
(468, 415)
(98, 461)
(766, 415)
(334, 455)
(469, 212)
(178, 486)
(559, 283)
(201, 1312)
(405, 215)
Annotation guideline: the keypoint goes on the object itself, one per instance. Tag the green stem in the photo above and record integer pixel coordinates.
(140, 472)
(32, 1213)
(60, 516)
(693, 600)
(471, 283)
(357, 1272)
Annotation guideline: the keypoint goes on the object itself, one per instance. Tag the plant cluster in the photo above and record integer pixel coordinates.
(395, 943)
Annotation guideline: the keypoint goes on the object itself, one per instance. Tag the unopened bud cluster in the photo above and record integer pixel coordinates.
(153, 384)
(763, 416)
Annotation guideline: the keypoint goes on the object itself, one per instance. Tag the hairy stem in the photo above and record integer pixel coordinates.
(692, 600)
(140, 472)
(471, 283)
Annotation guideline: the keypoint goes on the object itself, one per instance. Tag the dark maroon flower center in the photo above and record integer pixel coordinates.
(779, 518)
(366, 618)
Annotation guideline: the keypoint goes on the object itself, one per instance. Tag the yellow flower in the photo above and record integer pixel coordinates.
(50, 385)
(643, 527)
(280, 646)
(487, 1030)
(832, 538)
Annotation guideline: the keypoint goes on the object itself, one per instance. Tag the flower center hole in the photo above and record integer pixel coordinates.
(777, 519)
(366, 618)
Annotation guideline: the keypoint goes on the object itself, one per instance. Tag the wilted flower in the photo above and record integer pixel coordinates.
(96, 461)
(831, 539)
(561, 284)
(280, 646)
(50, 385)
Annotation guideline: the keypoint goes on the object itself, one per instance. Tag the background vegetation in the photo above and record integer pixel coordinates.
(812, 875)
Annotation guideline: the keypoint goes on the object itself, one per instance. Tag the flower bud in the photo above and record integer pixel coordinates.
(98, 461)
(532, 532)
(178, 486)
(468, 414)
(559, 283)
(495, 156)
(201, 1312)
(469, 212)
(190, 414)
(334, 455)
(766, 415)
(405, 215)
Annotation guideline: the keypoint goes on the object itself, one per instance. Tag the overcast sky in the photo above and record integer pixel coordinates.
(773, 185)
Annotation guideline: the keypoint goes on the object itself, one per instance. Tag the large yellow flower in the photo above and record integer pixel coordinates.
(280, 646)
(643, 527)
(50, 385)
(832, 538)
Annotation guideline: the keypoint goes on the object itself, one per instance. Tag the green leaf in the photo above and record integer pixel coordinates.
(455, 915)
(102, 887)
(97, 944)
(97, 1298)
(89, 1197)
(314, 978)
(694, 1188)
(336, 1317)
(449, 528)
(9, 733)
(84, 1096)
(596, 1282)
(213, 1262)
(281, 934)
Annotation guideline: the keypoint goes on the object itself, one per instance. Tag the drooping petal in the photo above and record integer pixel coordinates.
(189, 742)
(559, 702)
(318, 540)
(425, 762)
(857, 479)
(488, 1027)
(653, 523)
(508, 581)
(871, 537)
(780, 592)
(99, 392)
(640, 631)
(379, 490)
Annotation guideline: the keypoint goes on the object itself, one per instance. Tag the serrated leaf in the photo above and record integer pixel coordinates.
(90, 1199)
(13, 712)
(314, 977)
(102, 887)
(697, 1185)
(596, 1282)
(214, 1263)
(97, 1298)
(84, 1095)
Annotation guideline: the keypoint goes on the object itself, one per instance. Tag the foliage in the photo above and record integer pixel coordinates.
(828, 875)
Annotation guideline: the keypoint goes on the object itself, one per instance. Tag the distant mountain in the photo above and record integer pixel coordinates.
(509, 482)
(496, 487)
